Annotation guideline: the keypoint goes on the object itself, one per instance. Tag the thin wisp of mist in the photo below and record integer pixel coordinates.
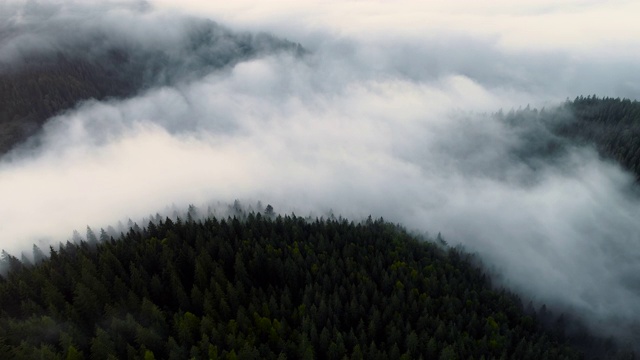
(398, 127)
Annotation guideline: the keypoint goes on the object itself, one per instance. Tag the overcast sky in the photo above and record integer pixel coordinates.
(384, 116)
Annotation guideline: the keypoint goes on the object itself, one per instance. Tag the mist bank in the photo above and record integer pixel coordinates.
(53, 56)
(396, 126)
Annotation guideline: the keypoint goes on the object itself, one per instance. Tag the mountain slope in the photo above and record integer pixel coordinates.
(612, 126)
(263, 288)
(43, 83)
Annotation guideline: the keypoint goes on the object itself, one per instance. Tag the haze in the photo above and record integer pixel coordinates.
(385, 115)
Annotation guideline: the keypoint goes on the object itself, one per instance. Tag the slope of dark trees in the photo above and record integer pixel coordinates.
(264, 287)
(41, 84)
(612, 126)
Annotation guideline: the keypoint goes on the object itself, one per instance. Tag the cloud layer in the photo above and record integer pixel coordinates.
(376, 119)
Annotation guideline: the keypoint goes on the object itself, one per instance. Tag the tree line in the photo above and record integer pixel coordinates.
(264, 286)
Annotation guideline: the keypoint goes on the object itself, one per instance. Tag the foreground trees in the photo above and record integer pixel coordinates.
(264, 288)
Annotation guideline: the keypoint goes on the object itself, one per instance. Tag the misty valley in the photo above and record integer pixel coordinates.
(353, 193)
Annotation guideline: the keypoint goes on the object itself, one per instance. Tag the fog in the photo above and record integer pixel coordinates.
(385, 115)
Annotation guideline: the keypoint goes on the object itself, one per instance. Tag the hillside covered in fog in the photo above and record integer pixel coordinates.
(37, 83)
(116, 290)
(446, 119)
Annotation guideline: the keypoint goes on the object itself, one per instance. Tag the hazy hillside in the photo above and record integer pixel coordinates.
(116, 109)
(99, 321)
(612, 126)
(43, 83)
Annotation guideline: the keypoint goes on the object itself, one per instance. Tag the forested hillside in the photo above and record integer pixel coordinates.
(612, 126)
(263, 287)
(117, 109)
(41, 84)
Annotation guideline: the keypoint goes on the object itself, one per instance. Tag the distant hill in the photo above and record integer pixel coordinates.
(263, 287)
(41, 84)
(611, 126)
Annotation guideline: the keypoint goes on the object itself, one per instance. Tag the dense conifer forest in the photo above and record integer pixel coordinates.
(263, 287)
(610, 125)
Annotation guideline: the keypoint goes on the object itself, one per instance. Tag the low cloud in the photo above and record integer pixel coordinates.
(394, 127)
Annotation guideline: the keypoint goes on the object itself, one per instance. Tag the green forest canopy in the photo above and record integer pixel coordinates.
(264, 287)
(611, 126)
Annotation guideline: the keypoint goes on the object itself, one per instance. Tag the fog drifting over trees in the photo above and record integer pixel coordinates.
(374, 117)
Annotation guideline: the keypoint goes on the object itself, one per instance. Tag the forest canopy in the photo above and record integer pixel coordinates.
(263, 287)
